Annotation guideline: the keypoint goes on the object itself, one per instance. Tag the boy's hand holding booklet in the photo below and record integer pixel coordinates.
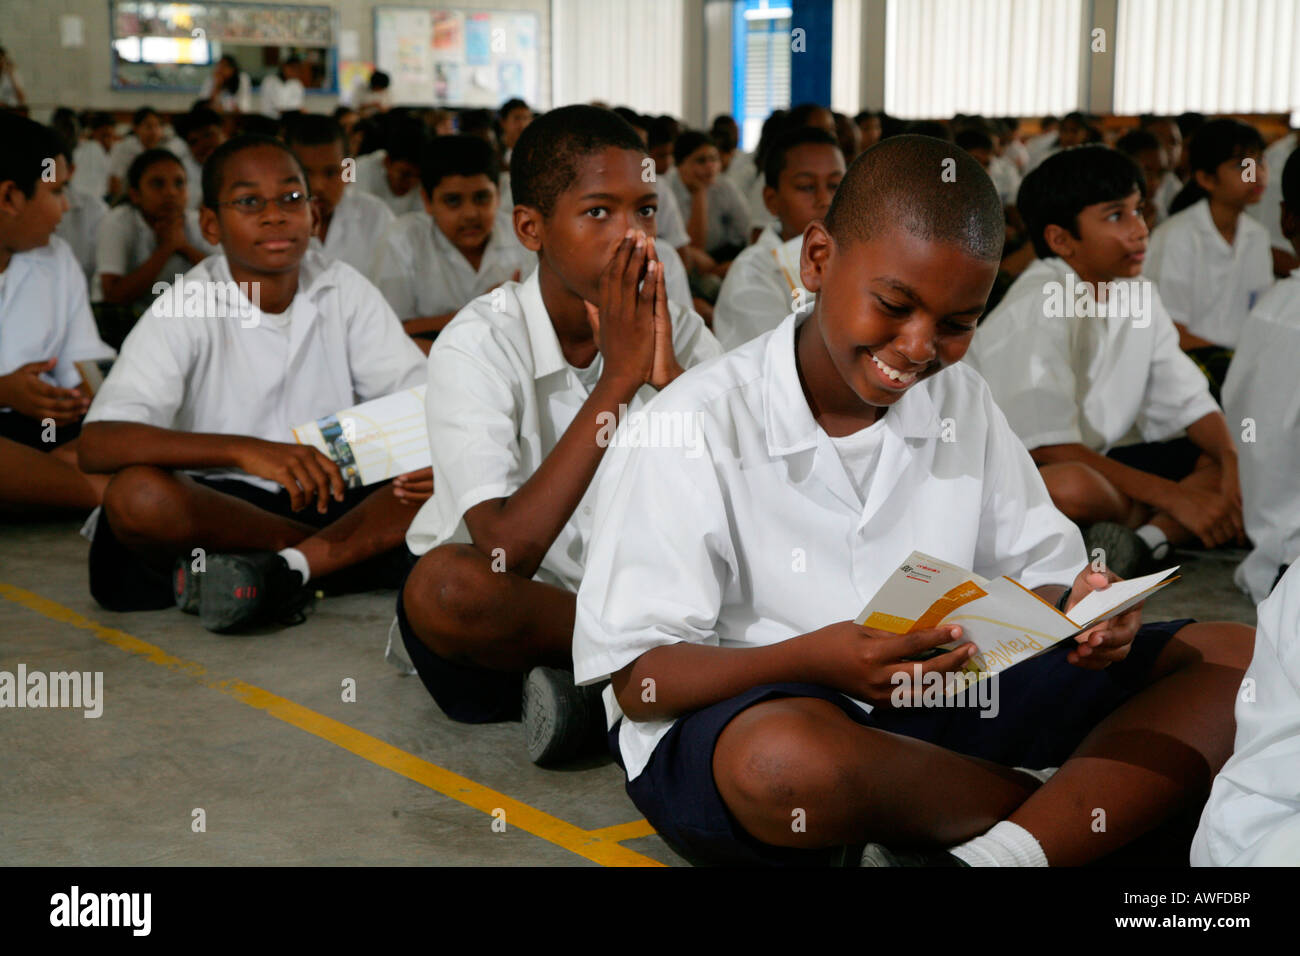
(373, 441)
(1006, 622)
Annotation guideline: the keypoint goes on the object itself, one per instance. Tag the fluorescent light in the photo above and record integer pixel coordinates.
(769, 13)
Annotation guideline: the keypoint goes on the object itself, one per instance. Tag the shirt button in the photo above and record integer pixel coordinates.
(586, 510)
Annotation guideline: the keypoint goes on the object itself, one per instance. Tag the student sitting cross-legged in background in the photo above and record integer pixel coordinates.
(525, 385)
(151, 239)
(194, 421)
(804, 168)
(1083, 359)
(1212, 262)
(431, 263)
(45, 329)
(752, 716)
(351, 222)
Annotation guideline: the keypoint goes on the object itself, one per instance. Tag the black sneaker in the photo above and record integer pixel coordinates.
(874, 854)
(1122, 550)
(185, 585)
(244, 590)
(561, 720)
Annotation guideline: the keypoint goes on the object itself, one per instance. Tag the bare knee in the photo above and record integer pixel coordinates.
(1224, 643)
(141, 500)
(775, 772)
(1083, 494)
(448, 594)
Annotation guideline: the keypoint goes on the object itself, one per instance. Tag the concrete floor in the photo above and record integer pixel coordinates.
(275, 782)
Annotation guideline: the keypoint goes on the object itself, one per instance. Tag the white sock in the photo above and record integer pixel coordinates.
(1155, 539)
(1042, 776)
(298, 561)
(1007, 844)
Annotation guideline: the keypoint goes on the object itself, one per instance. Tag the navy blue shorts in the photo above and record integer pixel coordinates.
(31, 431)
(121, 580)
(1046, 708)
(465, 693)
(1174, 460)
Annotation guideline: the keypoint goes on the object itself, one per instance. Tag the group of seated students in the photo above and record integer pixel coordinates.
(689, 604)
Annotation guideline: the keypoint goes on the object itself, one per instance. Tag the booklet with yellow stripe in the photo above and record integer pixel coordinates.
(1005, 621)
(374, 441)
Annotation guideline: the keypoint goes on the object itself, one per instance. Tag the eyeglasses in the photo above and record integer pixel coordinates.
(252, 205)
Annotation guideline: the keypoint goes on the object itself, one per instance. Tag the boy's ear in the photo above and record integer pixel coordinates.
(815, 256)
(528, 227)
(210, 225)
(1206, 181)
(1290, 222)
(769, 200)
(12, 200)
(1059, 240)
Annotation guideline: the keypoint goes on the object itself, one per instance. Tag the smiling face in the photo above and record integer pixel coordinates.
(590, 218)
(701, 167)
(891, 311)
(269, 242)
(163, 191)
(1112, 240)
(463, 208)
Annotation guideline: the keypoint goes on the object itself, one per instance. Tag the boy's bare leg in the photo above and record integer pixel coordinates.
(1151, 756)
(376, 525)
(31, 478)
(464, 611)
(856, 784)
(1204, 477)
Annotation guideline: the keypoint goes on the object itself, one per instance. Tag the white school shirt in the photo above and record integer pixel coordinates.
(359, 223)
(421, 273)
(280, 96)
(126, 149)
(1006, 179)
(1253, 815)
(1261, 386)
(500, 396)
(241, 99)
(1091, 381)
(125, 241)
(373, 178)
(676, 284)
(669, 224)
(337, 344)
(92, 168)
(729, 219)
(1206, 284)
(44, 314)
(1268, 211)
(1168, 190)
(755, 295)
(79, 226)
(752, 532)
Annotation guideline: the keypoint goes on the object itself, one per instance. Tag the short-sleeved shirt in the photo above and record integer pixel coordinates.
(1268, 211)
(421, 273)
(280, 96)
(79, 226)
(358, 224)
(669, 224)
(756, 293)
(230, 371)
(91, 175)
(729, 219)
(1262, 402)
(44, 314)
(125, 242)
(1095, 381)
(500, 396)
(372, 177)
(754, 532)
(1207, 285)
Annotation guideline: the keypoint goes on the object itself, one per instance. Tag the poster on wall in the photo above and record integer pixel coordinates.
(458, 57)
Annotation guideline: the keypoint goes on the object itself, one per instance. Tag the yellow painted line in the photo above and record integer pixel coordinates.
(624, 831)
(599, 846)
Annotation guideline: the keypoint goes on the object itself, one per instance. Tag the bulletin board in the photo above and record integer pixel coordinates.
(451, 57)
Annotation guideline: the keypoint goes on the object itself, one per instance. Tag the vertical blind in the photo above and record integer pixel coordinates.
(622, 53)
(992, 57)
(1212, 56)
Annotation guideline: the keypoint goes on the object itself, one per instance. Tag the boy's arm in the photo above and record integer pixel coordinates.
(124, 289)
(428, 323)
(697, 223)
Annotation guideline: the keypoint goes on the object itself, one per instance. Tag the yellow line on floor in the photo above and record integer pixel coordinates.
(600, 846)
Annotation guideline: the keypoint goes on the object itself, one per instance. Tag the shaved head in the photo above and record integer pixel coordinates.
(931, 188)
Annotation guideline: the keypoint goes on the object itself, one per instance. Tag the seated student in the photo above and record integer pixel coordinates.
(717, 217)
(430, 264)
(1083, 359)
(1143, 148)
(978, 141)
(45, 329)
(524, 387)
(91, 154)
(227, 89)
(1253, 815)
(1212, 263)
(392, 174)
(79, 227)
(350, 222)
(514, 117)
(195, 420)
(804, 168)
(202, 130)
(151, 239)
(1263, 406)
(722, 576)
(1166, 131)
(147, 132)
(1268, 211)
(284, 91)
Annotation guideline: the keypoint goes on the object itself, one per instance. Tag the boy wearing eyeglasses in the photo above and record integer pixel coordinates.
(212, 505)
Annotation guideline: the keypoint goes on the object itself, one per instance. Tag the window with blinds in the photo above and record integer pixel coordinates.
(1212, 56)
(761, 64)
(992, 57)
